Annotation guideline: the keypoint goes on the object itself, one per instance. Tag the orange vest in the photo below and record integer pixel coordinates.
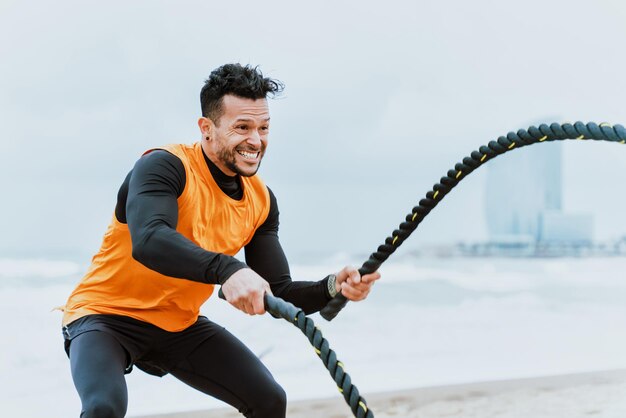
(118, 284)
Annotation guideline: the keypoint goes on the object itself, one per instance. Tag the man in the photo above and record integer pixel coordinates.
(182, 213)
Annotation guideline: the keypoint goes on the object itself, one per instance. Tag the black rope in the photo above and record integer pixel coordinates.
(513, 140)
(544, 133)
(280, 308)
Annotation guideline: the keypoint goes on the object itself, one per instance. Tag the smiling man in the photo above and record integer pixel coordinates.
(182, 214)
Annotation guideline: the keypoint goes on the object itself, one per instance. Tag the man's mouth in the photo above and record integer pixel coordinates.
(249, 155)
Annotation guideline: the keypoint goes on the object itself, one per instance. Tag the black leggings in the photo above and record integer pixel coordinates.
(220, 366)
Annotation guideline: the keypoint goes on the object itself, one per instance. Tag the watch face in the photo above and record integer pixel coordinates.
(332, 285)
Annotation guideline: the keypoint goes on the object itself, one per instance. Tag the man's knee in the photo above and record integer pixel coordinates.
(101, 408)
(271, 404)
(277, 402)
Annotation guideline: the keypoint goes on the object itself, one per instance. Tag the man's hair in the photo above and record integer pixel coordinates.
(246, 82)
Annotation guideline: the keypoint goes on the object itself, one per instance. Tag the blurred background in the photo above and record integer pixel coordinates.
(381, 99)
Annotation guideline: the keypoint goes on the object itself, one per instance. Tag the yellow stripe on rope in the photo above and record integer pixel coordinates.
(340, 390)
(608, 125)
(394, 240)
(512, 145)
(483, 158)
(362, 405)
(317, 351)
(543, 138)
(435, 195)
(622, 141)
(340, 364)
(581, 137)
(415, 214)
(459, 174)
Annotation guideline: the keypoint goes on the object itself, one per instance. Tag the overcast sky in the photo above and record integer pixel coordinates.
(382, 99)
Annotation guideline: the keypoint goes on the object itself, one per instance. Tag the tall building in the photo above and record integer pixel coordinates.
(524, 199)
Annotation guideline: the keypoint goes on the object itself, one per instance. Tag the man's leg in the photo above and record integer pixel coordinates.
(223, 367)
(98, 362)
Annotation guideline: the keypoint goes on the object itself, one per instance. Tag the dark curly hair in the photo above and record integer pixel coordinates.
(247, 82)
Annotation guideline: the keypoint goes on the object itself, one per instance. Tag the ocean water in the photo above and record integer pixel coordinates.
(427, 322)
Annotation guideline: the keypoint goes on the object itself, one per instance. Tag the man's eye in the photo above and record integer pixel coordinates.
(242, 127)
(265, 128)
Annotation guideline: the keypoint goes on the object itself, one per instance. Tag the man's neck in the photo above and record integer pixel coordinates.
(230, 185)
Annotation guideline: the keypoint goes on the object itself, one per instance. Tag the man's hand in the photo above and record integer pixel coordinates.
(352, 285)
(245, 290)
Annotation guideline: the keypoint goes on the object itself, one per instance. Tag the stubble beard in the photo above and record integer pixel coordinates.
(228, 158)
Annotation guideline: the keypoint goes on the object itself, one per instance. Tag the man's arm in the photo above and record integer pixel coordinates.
(154, 185)
(265, 255)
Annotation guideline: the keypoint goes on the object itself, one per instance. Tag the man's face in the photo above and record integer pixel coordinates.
(239, 138)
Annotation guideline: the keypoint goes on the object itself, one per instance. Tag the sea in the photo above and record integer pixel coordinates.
(427, 322)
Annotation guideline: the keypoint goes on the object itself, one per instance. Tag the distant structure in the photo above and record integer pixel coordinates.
(524, 205)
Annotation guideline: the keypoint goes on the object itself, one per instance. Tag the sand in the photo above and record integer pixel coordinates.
(589, 395)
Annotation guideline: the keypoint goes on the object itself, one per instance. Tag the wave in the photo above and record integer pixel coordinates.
(36, 271)
(491, 275)
(487, 274)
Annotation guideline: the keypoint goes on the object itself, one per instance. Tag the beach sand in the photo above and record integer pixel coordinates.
(589, 395)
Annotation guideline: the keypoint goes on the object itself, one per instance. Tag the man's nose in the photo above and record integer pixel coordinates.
(254, 138)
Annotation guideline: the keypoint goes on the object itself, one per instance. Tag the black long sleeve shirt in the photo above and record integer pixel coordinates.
(147, 202)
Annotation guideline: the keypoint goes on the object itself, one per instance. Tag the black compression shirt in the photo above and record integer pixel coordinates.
(147, 202)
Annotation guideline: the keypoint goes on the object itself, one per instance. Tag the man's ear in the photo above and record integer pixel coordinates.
(206, 127)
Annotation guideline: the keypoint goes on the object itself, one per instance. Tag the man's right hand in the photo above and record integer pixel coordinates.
(245, 290)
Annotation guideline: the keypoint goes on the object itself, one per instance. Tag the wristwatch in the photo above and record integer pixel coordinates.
(332, 285)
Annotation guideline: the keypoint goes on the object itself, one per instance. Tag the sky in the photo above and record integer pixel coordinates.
(381, 99)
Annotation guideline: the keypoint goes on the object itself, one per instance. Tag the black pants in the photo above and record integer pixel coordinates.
(102, 348)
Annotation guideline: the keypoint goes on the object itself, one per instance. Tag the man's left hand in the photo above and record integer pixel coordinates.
(352, 285)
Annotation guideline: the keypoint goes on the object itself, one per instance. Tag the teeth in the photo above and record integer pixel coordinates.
(250, 155)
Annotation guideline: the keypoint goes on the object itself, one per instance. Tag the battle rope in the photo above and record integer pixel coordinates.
(544, 133)
(280, 308)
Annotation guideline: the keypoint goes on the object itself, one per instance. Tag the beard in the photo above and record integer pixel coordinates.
(228, 157)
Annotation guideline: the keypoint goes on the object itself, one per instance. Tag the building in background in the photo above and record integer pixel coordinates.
(524, 205)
